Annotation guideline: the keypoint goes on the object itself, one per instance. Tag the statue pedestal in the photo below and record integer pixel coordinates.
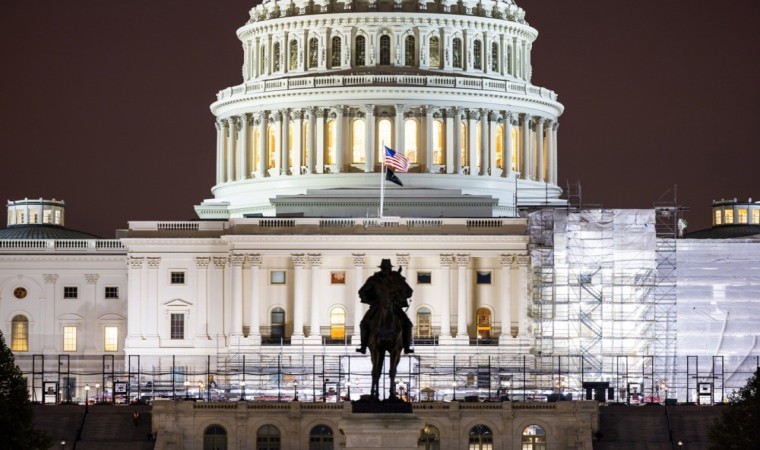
(381, 431)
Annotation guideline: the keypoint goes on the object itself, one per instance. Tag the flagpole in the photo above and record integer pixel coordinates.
(382, 183)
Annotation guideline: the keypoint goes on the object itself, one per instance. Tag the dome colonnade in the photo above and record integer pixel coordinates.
(327, 86)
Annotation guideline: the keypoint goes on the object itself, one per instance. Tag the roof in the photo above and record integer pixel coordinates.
(726, 232)
(43, 232)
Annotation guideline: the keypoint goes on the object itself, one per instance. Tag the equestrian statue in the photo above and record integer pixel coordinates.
(385, 327)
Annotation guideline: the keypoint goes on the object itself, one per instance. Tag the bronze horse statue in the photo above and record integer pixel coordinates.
(385, 328)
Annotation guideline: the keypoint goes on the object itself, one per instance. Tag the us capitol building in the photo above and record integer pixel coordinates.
(518, 295)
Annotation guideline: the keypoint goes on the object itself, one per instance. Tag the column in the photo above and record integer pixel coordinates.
(399, 133)
(541, 175)
(261, 169)
(299, 260)
(358, 261)
(134, 300)
(339, 138)
(91, 331)
(369, 139)
(236, 261)
(284, 143)
(201, 310)
(473, 116)
(505, 306)
(319, 138)
(242, 152)
(428, 138)
(522, 263)
(487, 139)
(151, 313)
(507, 157)
(450, 139)
(231, 148)
(48, 316)
(458, 140)
(553, 156)
(254, 321)
(219, 151)
(219, 314)
(315, 261)
(446, 261)
(463, 261)
(526, 153)
(310, 139)
(297, 143)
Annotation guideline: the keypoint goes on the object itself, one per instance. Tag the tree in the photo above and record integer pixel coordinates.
(738, 426)
(16, 413)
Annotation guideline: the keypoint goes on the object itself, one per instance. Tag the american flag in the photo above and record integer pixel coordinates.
(395, 160)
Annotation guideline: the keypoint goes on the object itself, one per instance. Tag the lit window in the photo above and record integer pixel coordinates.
(410, 140)
(409, 51)
(742, 213)
(534, 438)
(424, 322)
(357, 142)
(477, 51)
(304, 144)
(331, 143)
(483, 317)
(499, 145)
(430, 438)
(478, 144)
(177, 326)
(177, 277)
(495, 57)
(456, 50)
(20, 334)
(756, 216)
(360, 51)
(463, 144)
(481, 438)
(291, 124)
(111, 342)
(272, 148)
(293, 55)
(515, 156)
(729, 216)
(435, 52)
(112, 292)
(337, 323)
(335, 60)
(70, 292)
(383, 136)
(276, 57)
(438, 152)
(385, 50)
(313, 51)
(69, 339)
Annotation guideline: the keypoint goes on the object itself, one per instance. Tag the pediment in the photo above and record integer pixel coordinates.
(178, 303)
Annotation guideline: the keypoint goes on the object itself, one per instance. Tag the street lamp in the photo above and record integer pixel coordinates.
(295, 390)
(454, 387)
(87, 394)
(242, 389)
(63, 445)
(348, 390)
(97, 392)
(187, 389)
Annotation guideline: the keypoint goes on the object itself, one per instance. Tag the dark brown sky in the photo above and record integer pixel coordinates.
(105, 103)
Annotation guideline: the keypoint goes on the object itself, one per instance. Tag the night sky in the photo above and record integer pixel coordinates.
(105, 104)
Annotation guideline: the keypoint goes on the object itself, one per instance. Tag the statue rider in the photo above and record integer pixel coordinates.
(386, 282)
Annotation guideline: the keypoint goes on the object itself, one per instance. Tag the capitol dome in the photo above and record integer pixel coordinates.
(327, 84)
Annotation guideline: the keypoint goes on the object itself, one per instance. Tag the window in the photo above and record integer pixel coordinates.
(357, 141)
(177, 326)
(499, 146)
(112, 292)
(70, 292)
(385, 50)
(515, 156)
(383, 136)
(177, 277)
(483, 277)
(456, 50)
(20, 293)
(276, 57)
(321, 438)
(272, 147)
(277, 277)
(262, 60)
(438, 139)
(20, 334)
(331, 143)
(215, 438)
(338, 277)
(335, 59)
(729, 216)
(69, 339)
(435, 52)
(495, 57)
(423, 277)
(291, 124)
(277, 323)
(410, 140)
(483, 317)
(718, 217)
(509, 60)
(313, 52)
(477, 50)
(533, 438)
(430, 438)
(337, 323)
(424, 322)
(481, 438)
(293, 55)
(111, 342)
(409, 51)
(463, 143)
(756, 216)
(361, 51)
(268, 438)
(742, 215)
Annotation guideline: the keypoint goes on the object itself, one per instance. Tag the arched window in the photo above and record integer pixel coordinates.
(313, 52)
(271, 149)
(331, 143)
(385, 50)
(465, 160)
(268, 438)
(20, 334)
(276, 57)
(409, 51)
(430, 438)
(384, 136)
(361, 50)
(456, 52)
(515, 143)
(499, 145)
(410, 140)
(424, 322)
(495, 57)
(337, 323)
(483, 323)
(439, 156)
(293, 55)
(321, 438)
(509, 59)
(477, 50)
(533, 438)
(335, 59)
(435, 52)
(215, 438)
(481, 438)
(277, 323)
(357, 141)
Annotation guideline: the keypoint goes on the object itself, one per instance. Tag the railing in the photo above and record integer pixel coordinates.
(62, 245)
